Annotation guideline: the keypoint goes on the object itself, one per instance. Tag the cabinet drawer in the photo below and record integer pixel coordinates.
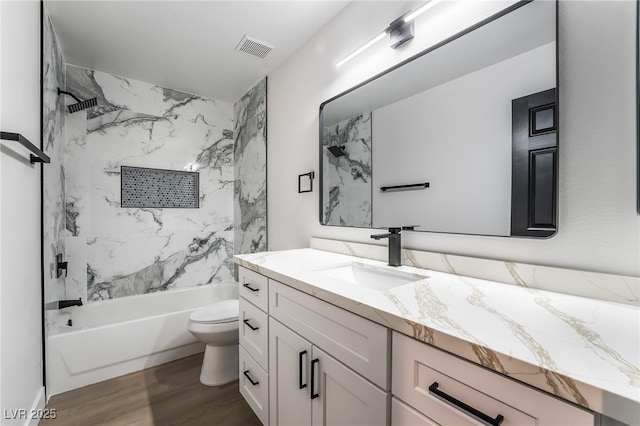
(356, 342)
(254, 287)
(254, 332)
(403, 415)
(257, 393)
(423, 376)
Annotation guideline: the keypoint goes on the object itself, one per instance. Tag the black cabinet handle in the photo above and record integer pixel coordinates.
(246, 374)
(246, 321)
(314, 394)
(464, 407)
(300, 355)
(247, 285)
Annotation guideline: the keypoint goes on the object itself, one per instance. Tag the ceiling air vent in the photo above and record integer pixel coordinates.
(254, 47)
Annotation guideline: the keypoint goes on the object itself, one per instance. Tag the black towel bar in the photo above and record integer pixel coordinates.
(412, 186)
(39, 157)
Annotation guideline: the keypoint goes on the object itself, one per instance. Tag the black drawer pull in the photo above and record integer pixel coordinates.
(464, 407)
(246, 321)
(246, 374)
(314, 394)
(247, 285)
(300, 355)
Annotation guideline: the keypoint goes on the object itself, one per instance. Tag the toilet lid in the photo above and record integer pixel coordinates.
(223, 311)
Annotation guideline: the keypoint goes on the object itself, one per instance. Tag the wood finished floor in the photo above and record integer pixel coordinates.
(169, 394)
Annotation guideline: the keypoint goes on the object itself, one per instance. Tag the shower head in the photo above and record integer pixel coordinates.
(337, 151)
(83, 105)
(80, 105)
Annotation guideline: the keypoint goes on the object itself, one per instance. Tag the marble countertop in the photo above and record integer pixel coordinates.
(583, 350)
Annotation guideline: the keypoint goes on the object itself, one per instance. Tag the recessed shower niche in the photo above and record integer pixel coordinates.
(158, 188)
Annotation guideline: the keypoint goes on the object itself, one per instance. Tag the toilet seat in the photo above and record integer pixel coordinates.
(219, 312)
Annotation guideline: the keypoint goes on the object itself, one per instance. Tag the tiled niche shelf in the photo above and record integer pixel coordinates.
(158, 188)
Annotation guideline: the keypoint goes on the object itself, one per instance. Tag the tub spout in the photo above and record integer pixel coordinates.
(66, 303)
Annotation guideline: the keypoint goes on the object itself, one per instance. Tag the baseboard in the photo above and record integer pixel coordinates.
(37, 408)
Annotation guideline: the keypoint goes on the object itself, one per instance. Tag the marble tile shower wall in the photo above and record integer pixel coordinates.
(347, 196)
(53, 110)
(250, 165)
(113, 251)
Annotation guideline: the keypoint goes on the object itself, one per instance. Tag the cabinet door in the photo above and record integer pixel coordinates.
(342, 397)
(289, 397)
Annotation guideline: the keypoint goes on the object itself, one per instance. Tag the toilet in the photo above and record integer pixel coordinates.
(216, 325)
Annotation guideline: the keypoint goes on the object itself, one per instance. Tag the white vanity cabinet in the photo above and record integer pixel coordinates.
(311, 363)
(253, 328)
(431, 386)
(306, 362)
(326, 377)
(309, 387)
(360, 344)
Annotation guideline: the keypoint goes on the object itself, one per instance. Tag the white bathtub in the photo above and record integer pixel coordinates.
(115, 337)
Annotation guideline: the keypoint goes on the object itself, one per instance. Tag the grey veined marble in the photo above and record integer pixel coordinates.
(347, 179)
(250, 165)
(53, 205)
(115, 251)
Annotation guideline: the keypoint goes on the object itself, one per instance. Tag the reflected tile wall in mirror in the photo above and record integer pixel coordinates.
(347, 182)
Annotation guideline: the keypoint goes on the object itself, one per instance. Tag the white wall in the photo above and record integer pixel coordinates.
(20, 303)
(599, 228)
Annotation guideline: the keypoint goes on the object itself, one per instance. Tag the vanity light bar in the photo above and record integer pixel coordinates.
(411, 16)
(362, 48)
(421, 10)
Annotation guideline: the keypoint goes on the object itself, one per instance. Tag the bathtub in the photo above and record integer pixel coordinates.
(114, 337)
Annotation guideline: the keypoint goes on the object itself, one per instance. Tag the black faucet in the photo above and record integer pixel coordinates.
(394, 245)
(66, 303)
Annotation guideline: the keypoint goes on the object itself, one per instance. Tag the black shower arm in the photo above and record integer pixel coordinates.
(70, 94)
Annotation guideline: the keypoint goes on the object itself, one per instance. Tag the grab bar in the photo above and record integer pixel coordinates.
(412, 186)
(40, 156)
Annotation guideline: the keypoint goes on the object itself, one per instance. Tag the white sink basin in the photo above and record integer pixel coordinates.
(369, 276)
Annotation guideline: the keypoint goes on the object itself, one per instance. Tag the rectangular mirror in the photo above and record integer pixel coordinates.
(461, 138)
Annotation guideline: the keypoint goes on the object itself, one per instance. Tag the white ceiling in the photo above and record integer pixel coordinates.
(186, 45)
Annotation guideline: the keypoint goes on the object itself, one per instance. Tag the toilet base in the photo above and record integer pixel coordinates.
(220, 365)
